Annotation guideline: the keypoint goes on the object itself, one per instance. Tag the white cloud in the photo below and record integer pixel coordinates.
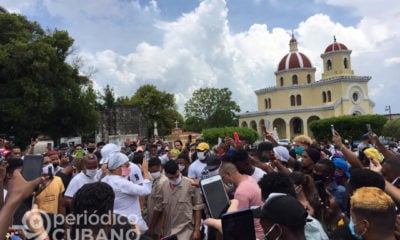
(392, 61)
(198, 50)
(133, 47)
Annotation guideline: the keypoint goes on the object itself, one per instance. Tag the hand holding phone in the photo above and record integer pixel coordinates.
(215, 196)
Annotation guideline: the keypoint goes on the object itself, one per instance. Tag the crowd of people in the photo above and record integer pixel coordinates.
(149, 189)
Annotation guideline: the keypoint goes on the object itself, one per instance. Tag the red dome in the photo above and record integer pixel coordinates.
(294, 60)
(335, 47)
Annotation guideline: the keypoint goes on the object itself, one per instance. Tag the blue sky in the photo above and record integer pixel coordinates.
(182, 45)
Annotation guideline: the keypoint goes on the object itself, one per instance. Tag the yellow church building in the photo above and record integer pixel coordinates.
(298, 98)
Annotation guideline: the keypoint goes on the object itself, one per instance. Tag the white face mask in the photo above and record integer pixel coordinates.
(45, 169)
(201, 156)
(177, 181)
(91, 172)
(155, 175)
(181, 167)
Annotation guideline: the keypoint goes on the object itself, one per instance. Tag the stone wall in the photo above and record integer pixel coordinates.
(122, 120)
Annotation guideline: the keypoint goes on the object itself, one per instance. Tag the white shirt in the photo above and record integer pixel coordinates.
(136, 174)
(258, 174)
(164, 159)
(77, 182)
(195, 169)
(127, 194)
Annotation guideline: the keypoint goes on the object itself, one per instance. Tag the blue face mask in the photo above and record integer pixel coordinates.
(299, 150)
(353, 232)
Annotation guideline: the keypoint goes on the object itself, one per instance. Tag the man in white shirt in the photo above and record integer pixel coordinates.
(196, 168)
(127, 193)
(87, 175)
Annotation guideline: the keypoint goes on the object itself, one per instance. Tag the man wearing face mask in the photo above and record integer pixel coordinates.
(87, 175)
(155, 169)
(373, 215)
(91, 147)
(196, 168)
(283, 217)
(301, 143)
(180, 205)
(127, 193)
(50, 197)
(324, 171)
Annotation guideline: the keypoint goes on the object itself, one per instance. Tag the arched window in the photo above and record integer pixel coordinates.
(329, 64)
(298, 100)
(266, 103)
(329, 96)
(297, 126)
(292, 101)
(324, 97)
(269, 103)
(345, 63)
(308, 78)
(281, 81)
(295, 80)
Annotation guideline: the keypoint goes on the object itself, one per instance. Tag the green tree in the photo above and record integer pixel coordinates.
(158, 106)
(392, 129)
(3, 10)
(107, 99)
(40, 92)
(211, 107)
(211, 135)
(350, 127)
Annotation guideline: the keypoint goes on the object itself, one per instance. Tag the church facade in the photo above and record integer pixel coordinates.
(298, 98)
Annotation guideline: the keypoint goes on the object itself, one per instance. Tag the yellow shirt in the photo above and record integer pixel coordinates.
(48, 199)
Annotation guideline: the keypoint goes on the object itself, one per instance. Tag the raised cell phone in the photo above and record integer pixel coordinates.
(333, 129)
(215, 196)
(31, 169)
(51, 174)
(236, 137)
(369, 129)
(238, 225)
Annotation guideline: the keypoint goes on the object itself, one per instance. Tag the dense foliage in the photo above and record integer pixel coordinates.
(211, 107)
(392, 129)
(40, 92)
(211, 135)
(158, 106)
(349, 127)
